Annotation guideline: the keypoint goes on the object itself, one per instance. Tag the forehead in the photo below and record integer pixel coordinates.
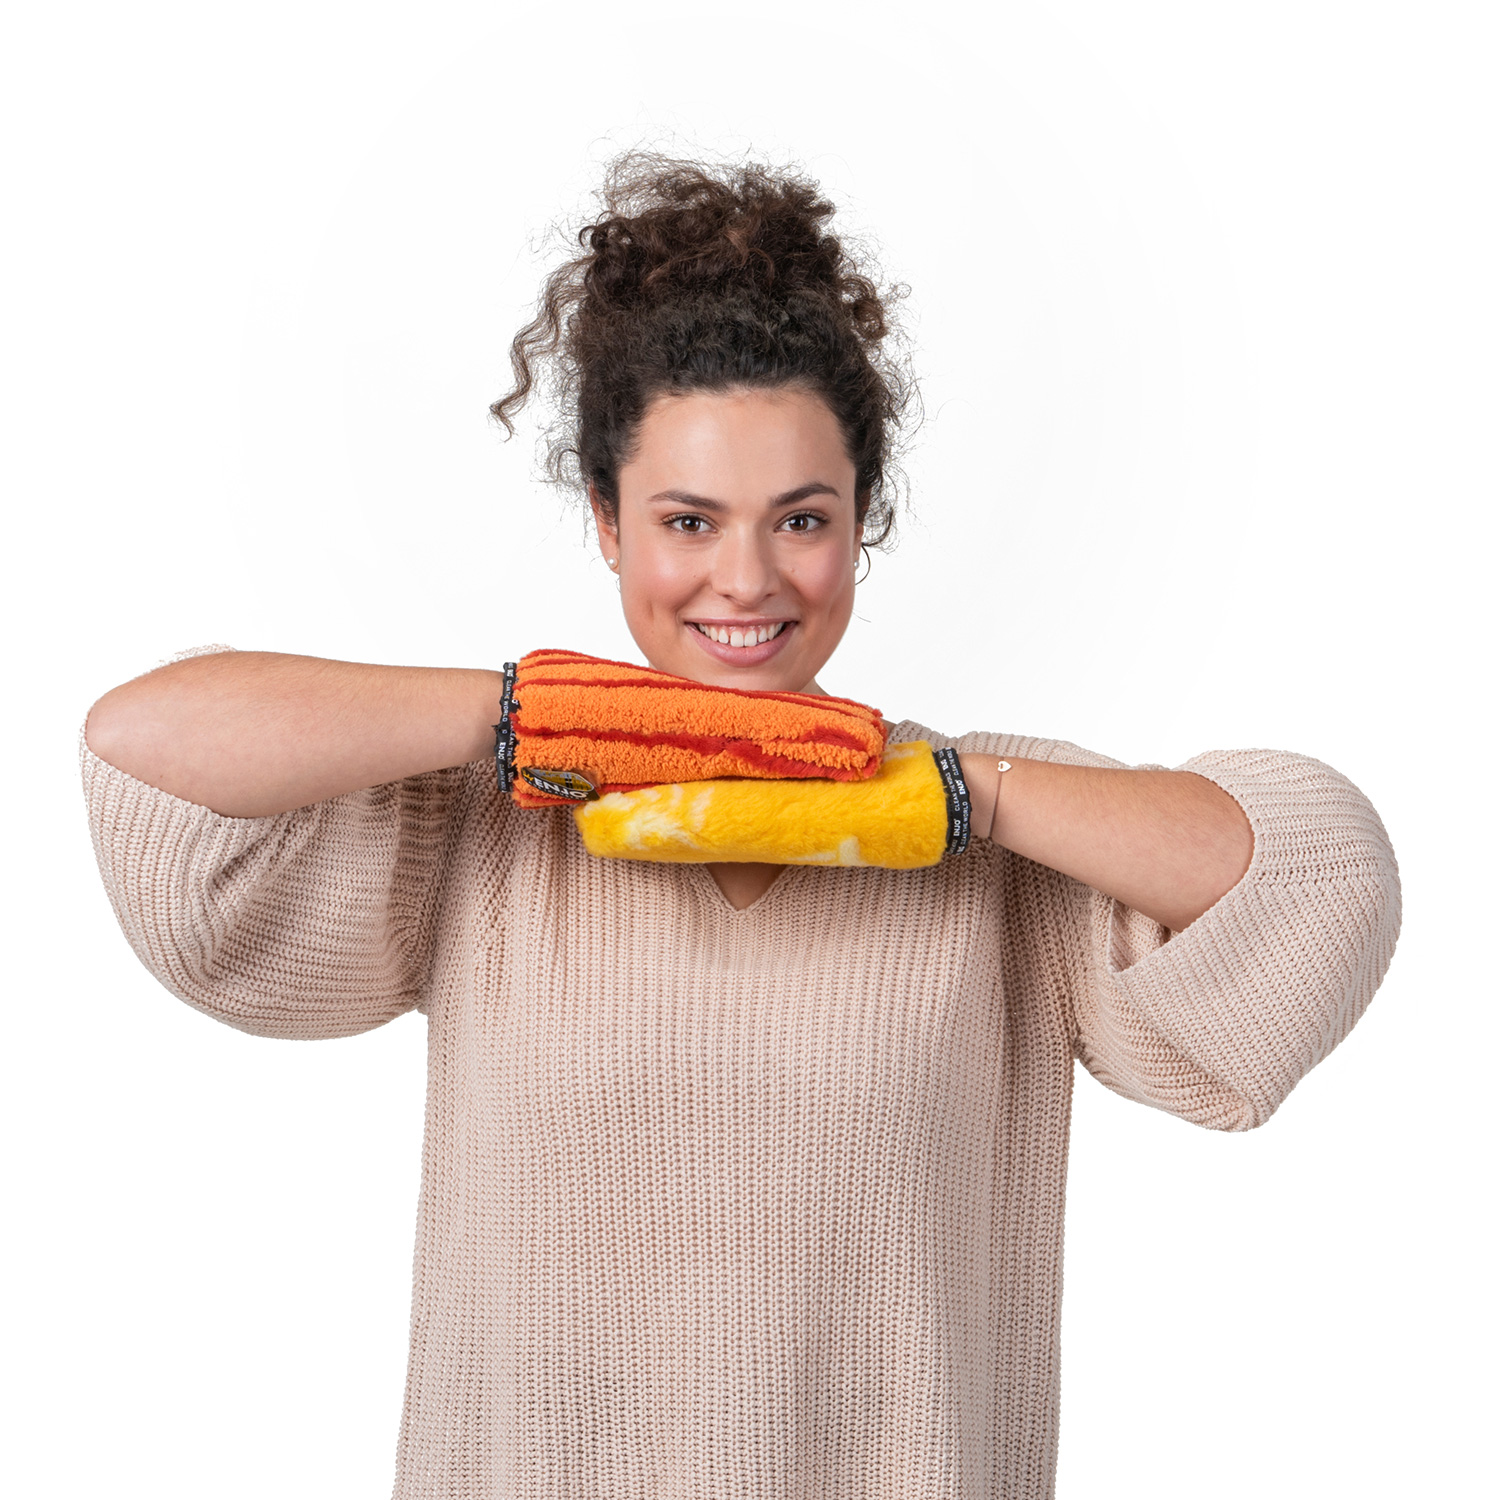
(737, 443)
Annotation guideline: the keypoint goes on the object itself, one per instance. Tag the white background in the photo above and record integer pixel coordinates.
(1204, 300)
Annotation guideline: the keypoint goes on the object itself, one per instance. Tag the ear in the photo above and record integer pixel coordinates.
(609, 536)
(859, 536)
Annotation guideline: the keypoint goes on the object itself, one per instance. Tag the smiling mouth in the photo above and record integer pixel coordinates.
(752, 635)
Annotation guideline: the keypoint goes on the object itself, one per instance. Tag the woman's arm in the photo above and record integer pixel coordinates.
(252, 733)
(1168, 844)
(1216, 1023)
(272, 831)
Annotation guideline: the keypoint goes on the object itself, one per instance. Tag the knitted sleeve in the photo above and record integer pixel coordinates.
(307, 924)
(1219, 1022)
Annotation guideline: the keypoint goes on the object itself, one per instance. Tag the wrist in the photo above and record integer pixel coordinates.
(984, 779)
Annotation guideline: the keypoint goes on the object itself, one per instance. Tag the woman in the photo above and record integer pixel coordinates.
(737, 1178)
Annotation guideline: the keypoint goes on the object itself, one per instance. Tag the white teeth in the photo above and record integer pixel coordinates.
(756, 635)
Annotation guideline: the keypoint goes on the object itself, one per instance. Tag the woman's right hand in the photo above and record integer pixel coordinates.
(253, 733)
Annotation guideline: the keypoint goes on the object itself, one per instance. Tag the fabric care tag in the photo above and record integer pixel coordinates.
(571, 786)
(956, 790)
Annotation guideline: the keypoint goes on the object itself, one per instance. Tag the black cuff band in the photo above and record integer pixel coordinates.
(956, 790)
(505, 733)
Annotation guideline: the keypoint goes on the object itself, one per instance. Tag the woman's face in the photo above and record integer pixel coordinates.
(736, 525)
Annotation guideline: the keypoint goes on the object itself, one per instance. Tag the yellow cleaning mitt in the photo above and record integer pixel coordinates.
(912, 811)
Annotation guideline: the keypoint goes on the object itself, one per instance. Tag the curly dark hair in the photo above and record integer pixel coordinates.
(707, 278)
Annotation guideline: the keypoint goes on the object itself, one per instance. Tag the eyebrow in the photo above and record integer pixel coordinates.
(791, 497)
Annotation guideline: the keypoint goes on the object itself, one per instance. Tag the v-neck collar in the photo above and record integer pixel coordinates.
(698, 873)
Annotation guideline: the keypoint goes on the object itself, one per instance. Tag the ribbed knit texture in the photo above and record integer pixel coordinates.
(749, 1204)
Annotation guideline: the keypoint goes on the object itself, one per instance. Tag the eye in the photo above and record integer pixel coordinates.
(689, 525)
(805, 520)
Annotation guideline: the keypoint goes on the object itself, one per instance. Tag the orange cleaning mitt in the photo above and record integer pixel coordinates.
(573, 727)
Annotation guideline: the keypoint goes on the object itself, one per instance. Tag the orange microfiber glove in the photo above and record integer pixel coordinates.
(574, 727)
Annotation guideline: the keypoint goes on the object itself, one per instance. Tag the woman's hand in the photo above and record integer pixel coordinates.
(1169, 844)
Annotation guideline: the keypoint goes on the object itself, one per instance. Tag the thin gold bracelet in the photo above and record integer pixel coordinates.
(1004, 766)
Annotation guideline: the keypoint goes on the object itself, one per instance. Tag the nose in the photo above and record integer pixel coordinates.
(743, 569)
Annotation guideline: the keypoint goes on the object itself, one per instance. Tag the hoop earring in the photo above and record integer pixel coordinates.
(863, 548)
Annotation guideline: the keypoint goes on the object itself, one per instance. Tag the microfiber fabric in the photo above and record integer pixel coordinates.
(896, 819)
(627, 727)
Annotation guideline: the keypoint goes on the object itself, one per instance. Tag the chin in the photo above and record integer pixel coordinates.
(787, 660)
(784, 663)
(754, 679)
(787, 675)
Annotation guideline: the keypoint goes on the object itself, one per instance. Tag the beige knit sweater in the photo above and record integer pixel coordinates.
(761, 1203)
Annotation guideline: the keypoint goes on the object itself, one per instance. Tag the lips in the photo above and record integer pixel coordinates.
(740, 634)
(742, 656)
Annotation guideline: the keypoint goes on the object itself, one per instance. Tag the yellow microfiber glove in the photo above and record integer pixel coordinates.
(912, 811)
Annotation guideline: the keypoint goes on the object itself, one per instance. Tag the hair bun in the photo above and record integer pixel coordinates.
(670, 228)
(697, 277)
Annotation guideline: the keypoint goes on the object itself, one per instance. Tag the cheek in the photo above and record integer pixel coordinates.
(659, 582)
(825, 578)
(660, 578)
